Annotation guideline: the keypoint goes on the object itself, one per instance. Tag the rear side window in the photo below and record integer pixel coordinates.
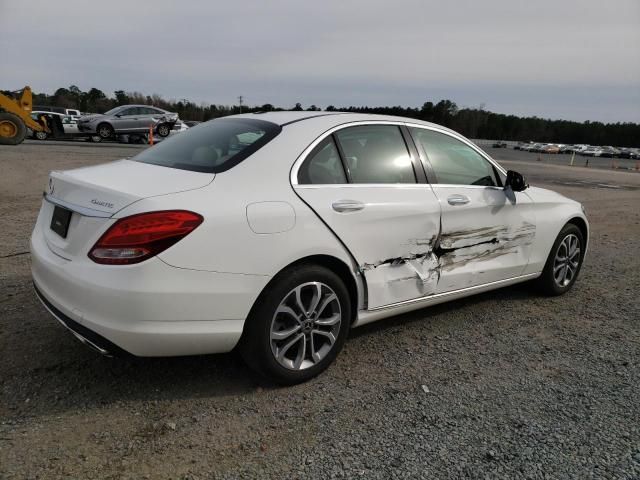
(376, 154)
(212, 147)
(454, 162)
(323, 166)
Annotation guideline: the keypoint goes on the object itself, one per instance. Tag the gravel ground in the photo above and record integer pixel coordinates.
(506, 384)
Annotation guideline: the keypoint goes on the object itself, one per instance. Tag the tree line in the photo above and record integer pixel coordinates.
(470, 122)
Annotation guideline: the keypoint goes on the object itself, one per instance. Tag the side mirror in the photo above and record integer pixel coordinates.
(515, 181)
(118, 115)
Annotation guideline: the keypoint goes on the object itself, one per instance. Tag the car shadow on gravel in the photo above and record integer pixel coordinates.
(519, 292)
(77, 377)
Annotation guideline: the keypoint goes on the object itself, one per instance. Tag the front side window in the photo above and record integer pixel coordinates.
(323, 166)
(454, 162)
(376, 154)
(212, 147)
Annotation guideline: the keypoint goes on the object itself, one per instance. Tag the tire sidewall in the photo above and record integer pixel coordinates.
(256, 342)
(160, 129)
(21, 129)
(100, 128)
(548, 281)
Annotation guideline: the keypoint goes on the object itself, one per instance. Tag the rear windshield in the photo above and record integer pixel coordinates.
(211, 147)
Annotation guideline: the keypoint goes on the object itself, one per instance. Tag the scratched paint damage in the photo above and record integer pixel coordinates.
(426, 258)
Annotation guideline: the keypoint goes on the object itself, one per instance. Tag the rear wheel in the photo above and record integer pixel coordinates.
(298, 325)
(12, 129)
(164, 129)
(564, 262)
(105, 131)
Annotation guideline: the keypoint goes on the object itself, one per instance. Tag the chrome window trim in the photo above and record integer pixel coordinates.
(353, 185)
(467, 142)
(293, 176)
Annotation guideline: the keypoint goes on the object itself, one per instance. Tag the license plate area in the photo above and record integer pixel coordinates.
(60, 221)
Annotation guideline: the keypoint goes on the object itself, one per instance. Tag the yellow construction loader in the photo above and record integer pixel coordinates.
(15, 119)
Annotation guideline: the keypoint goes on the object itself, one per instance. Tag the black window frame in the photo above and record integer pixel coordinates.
(418, 169)
(314, 152)
(430, 172)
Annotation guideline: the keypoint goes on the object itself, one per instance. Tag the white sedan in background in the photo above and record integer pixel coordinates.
(278, 232)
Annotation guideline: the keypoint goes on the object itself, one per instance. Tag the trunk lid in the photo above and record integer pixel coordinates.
(110, 187)
(94, 194)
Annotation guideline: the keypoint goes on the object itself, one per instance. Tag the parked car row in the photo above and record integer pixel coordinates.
(581, 149)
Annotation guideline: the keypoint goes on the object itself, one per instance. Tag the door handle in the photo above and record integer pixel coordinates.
(347, 206)
(458, 200)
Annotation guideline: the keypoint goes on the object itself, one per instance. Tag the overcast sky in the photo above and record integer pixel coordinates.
(571, 59)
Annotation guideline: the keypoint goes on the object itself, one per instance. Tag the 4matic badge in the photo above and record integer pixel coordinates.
(102, 203)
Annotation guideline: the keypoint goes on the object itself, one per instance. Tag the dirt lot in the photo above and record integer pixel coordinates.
(517, 385)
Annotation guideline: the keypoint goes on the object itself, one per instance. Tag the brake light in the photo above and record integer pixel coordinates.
(139, 237)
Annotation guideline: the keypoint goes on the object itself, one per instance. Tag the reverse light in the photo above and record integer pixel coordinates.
(139, 237)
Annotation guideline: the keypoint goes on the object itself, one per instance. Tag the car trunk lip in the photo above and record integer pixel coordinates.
(104, 190)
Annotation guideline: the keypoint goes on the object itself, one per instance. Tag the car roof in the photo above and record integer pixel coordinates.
(335, 118)
(141, 105)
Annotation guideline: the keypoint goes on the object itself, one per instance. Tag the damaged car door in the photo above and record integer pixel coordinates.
(487, 231)
(367, 185)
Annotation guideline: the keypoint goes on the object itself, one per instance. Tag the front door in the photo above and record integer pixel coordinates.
(487, 232)
(362, 182)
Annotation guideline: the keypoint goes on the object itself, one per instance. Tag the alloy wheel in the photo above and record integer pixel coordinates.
(305, 326)
(567, 261)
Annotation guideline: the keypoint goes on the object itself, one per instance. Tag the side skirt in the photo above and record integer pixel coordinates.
(378, 313)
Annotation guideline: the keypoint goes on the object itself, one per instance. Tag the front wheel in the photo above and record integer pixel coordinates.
(164, 129)
(298, 325)
(564, 261)
(105, 131)
(41, 135)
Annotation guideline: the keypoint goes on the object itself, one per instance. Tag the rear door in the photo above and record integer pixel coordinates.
(487, 232)
(366, 184)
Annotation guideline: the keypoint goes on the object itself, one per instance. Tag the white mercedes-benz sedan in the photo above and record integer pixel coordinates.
(278, 232)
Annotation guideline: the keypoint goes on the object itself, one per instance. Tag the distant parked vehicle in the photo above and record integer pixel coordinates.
(567, 149)
(609, 152)
(591, 152)
(631, 153)
(499, 144)
(128, 119)
(550, 149)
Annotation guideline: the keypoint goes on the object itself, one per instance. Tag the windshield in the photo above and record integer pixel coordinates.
(212, 147)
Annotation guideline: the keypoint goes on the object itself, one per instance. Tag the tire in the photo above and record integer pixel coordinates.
(164, 129)
(104, 131)
(12, 129)
(95, 138)
(566, 267)
(40, 135)
(281, 341)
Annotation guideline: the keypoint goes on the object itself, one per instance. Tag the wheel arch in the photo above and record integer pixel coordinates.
(584, 229)
(334, 264)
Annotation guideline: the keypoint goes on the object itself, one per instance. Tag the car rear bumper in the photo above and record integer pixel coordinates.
(149, 309)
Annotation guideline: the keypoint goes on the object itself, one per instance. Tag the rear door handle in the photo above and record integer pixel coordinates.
(458, 200)
(347, 206)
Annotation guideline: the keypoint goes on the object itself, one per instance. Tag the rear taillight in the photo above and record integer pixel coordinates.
(138, 237)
